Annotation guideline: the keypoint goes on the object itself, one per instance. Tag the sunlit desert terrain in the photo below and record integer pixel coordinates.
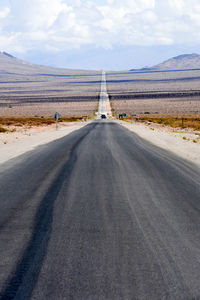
(165, 92)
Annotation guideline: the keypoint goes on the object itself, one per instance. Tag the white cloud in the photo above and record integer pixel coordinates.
(4, 13)
(35, 14)
(63, 24)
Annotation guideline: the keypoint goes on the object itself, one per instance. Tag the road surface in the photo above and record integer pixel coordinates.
(104, 102)
(99, 214)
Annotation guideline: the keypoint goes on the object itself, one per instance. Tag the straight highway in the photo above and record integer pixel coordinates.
(99, 214)
(104, 103)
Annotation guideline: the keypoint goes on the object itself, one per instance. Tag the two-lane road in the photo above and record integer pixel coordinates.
(99, 214)
(104, 103)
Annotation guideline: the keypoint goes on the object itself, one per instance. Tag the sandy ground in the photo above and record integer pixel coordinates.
(84, 108)
(13, 144)
(180, 142)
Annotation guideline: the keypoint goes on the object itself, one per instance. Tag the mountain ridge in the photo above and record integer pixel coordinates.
(13, 65)
(180, 62)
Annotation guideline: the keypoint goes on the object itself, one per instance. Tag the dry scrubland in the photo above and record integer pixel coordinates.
(28, 90)
(161, 92)
(32, 90)
(182, 122)
(30, 95)
(44, 95)
(13, 124)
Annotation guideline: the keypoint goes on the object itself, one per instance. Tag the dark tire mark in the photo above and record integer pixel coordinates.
(23, 281)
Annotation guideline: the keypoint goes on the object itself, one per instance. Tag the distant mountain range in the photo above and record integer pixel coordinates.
(11, 65)
(181, 62)
(14, 66)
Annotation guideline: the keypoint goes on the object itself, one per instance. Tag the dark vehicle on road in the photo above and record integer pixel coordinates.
(103, 116)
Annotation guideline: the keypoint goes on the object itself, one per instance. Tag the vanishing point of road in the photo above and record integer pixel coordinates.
(99, 214)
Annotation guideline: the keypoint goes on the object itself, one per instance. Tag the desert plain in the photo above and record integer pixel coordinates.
(33, 92)
(155, 92)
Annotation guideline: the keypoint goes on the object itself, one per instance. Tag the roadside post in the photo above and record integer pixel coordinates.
(137, 117)
(57, 117)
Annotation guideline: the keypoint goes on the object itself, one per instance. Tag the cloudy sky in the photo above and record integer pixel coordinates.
(99, 34)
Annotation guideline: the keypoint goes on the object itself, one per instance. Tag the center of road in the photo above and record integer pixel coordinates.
(104, 103)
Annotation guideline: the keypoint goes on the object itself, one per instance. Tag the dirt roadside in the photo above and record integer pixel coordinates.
(13, 144)
(183, 143)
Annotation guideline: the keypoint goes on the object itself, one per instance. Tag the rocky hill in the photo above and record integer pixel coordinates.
(181, 62)
(11, 65)
(185, 61)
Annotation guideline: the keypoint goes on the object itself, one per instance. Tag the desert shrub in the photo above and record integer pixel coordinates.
(34, 121)
(70, 119)
(2, 129)
(175, 122)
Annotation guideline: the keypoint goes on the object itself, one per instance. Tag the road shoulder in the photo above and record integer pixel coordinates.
(13, 144)
(168, 140)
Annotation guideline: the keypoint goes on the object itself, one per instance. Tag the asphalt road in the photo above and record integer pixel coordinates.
(99, 214)
(103, 97)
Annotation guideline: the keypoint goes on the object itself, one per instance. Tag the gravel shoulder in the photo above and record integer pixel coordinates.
(180, 142)
(13, 144)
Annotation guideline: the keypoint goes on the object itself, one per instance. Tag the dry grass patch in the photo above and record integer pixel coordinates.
(174, 122)
(2, 129)
(70, 119)
(32, 121)
(22, 121)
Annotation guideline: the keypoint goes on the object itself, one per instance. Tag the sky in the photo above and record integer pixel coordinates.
(99, 34)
